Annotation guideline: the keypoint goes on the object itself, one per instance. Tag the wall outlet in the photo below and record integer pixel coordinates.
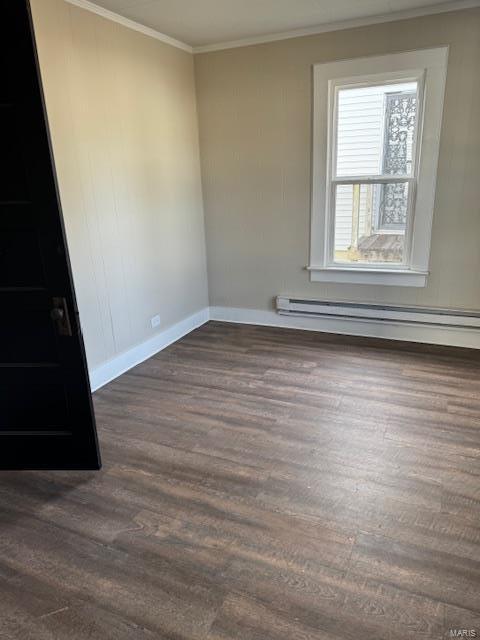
(155, 321)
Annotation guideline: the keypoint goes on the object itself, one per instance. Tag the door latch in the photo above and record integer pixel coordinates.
(59, 314)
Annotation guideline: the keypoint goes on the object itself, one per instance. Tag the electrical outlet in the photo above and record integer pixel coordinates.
(155, 321)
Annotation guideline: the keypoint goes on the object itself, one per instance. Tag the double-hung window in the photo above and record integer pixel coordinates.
(377, 128)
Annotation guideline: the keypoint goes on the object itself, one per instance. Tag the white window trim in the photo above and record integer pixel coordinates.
(429, 67)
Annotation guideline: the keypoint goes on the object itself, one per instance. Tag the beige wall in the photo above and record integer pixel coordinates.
(255, 135)
(122, 115)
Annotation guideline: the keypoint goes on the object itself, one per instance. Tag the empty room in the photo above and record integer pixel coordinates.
(240, 319)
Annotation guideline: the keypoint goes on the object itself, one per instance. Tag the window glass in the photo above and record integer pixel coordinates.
(370, 222)
(375, 137)
(375, 129)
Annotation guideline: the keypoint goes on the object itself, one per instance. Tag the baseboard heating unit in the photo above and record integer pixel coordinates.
(301, 307)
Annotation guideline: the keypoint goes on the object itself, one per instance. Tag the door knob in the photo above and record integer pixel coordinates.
(59, 314)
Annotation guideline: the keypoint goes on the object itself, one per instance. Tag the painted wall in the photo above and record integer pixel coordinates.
(255, 134)
(123, 120)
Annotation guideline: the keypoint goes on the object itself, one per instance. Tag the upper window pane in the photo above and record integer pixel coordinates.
(376, 129)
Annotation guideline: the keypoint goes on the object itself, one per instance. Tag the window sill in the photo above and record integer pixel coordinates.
(389, 277)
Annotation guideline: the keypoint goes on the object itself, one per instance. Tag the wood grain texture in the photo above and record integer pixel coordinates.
(259, 484)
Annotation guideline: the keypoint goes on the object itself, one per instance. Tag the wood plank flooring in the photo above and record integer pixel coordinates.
(259, 484)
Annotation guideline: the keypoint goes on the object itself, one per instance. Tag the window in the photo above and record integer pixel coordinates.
(378, 119)
(375, 133)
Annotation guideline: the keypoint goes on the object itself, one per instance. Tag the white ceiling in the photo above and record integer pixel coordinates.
(207, 22)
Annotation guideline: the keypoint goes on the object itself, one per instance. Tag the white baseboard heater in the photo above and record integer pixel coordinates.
(378, 313)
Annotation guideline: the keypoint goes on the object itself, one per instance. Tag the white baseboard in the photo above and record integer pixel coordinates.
(450, 336)
(391, 330)
(125, 361)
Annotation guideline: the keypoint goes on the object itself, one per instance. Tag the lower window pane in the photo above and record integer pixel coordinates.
(370, 222)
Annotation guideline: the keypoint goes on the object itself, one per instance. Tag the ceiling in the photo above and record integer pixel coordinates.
(207, 22)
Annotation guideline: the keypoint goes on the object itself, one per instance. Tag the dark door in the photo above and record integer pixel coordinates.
(46, 415)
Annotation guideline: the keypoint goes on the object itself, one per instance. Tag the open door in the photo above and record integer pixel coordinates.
(46, 414)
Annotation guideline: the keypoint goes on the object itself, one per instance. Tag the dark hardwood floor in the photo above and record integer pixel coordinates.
(259, 484)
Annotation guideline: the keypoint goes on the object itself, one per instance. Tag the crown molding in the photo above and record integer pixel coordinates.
(131, 24)
(444, 7)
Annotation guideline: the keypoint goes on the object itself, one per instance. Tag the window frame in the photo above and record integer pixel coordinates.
(426, 67)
